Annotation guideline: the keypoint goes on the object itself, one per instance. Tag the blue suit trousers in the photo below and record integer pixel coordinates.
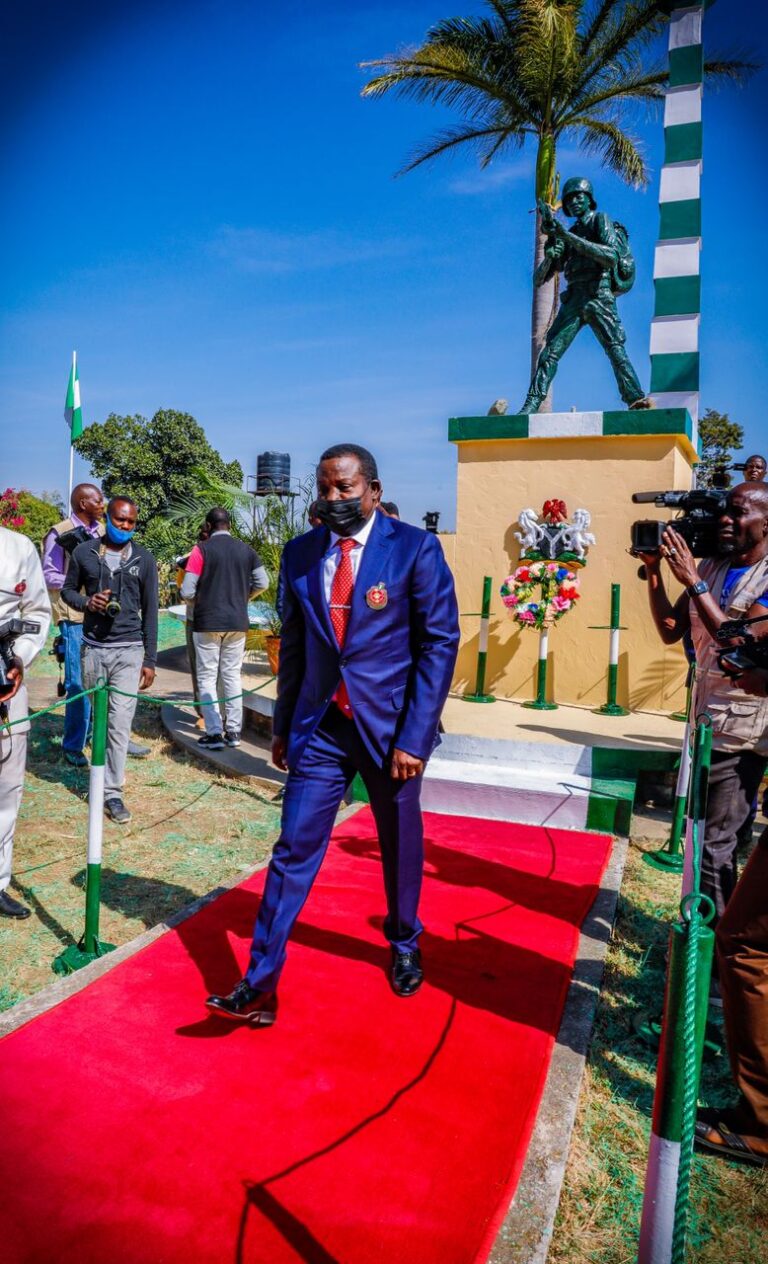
(313, 793)
(77, 714)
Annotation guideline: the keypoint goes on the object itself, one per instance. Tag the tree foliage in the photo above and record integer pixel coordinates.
(267, 523)
(719, 438)
(152, 461)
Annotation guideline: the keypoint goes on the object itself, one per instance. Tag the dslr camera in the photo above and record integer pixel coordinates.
(8, 633)
(751, 654)
(697, 524)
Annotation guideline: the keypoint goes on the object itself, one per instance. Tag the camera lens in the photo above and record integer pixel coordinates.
(112, 607)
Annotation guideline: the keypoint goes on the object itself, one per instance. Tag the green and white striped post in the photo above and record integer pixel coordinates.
(697, 804)
(540, 702)
(657, 1223)
(676, 266)
(611, 705)
(482, 646)
(665, 1198)
(90, 946)
(671, 856)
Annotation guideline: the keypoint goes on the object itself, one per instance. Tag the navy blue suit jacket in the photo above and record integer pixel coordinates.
(397, 662)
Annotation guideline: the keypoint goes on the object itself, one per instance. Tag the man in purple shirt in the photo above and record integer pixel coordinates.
(87, 511)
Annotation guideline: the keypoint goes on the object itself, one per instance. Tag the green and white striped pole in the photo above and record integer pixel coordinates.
(90, 946)
(482, 647)
(657, 1224)
(671, 856)
(676, 266)
(540, 702)
(611, 705)
(697, 804)
(664, 1215)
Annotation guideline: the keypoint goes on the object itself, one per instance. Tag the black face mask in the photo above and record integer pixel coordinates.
(345, 517)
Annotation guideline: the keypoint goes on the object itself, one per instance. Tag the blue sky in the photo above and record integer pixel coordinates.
(197, 199)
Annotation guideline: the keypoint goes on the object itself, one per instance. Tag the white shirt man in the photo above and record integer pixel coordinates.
(22, 596)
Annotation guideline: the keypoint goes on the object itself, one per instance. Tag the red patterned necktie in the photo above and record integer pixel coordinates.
(340, 609)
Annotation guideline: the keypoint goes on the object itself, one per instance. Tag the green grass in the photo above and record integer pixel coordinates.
(599, 1214)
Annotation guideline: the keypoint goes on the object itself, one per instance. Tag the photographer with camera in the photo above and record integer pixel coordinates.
(25, 616)
(83, 523)
(741, 943)
(119, 600)
(730, 585)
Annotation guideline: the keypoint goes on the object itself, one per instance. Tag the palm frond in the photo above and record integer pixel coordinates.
(624, 34)
(595, 24)
(446, 75)
(488, 140)
(736, 69)
(647, 87)
(618, 151)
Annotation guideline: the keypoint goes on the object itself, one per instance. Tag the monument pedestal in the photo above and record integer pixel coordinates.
(591, 460)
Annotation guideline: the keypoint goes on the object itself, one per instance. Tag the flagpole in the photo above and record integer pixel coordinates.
(71, 448)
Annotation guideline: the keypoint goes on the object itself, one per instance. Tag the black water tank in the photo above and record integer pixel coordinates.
(273, 473)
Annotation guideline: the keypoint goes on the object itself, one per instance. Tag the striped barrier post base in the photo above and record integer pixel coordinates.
(611, 705)
(90, 946)
(540, 701)
(670, 857)
(482, 648)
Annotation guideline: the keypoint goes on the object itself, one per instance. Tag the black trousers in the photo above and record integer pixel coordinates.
(733, 783)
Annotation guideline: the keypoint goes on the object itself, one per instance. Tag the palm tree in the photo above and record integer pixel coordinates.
(267, 524)
(540, 69)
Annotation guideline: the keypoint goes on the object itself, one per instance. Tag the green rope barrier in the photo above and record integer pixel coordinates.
(190, 702)
(33, 715)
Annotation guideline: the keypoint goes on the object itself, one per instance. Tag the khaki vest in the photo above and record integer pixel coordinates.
(60, 608)
(739, 719)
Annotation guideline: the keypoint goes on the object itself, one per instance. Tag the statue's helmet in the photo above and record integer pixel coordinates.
(577, 184)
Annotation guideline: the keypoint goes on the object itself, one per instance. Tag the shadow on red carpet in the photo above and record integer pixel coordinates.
(361, 1128)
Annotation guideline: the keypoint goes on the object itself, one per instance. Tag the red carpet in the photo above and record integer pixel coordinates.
(361, 1128)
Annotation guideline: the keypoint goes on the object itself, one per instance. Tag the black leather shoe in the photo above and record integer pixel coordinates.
(12, 908)
(407, 975)
(246, 1005)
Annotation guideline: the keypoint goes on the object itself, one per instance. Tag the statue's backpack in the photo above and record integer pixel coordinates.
(624, 271)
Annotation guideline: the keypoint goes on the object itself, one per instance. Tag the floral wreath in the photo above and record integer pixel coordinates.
(558, 586)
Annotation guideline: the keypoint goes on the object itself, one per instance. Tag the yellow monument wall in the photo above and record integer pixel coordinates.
(499, 477)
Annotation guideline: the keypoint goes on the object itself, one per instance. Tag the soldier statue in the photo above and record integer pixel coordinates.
(595, 257)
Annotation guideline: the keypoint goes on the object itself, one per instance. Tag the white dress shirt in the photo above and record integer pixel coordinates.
(333, 556)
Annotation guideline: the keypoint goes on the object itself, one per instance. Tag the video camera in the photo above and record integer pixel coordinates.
(8, 633)
(751, 654)
(69, 540)
(697, 524)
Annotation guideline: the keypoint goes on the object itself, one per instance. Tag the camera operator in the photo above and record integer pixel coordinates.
(22, 596)
(741, 939)
(733, 584)
(87, 511)
(120, 602)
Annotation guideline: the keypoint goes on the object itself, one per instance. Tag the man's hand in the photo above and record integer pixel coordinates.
(405, 766)
(681, 561)
(146, 677)
(278, 753)
(98, 602)
(16, 676)
(752, 682)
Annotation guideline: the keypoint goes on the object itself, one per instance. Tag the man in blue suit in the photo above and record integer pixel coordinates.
(369, 641)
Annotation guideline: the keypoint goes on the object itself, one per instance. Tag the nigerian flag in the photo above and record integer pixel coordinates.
(73, 413)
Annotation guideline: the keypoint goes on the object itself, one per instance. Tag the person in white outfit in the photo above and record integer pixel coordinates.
(23, 596)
